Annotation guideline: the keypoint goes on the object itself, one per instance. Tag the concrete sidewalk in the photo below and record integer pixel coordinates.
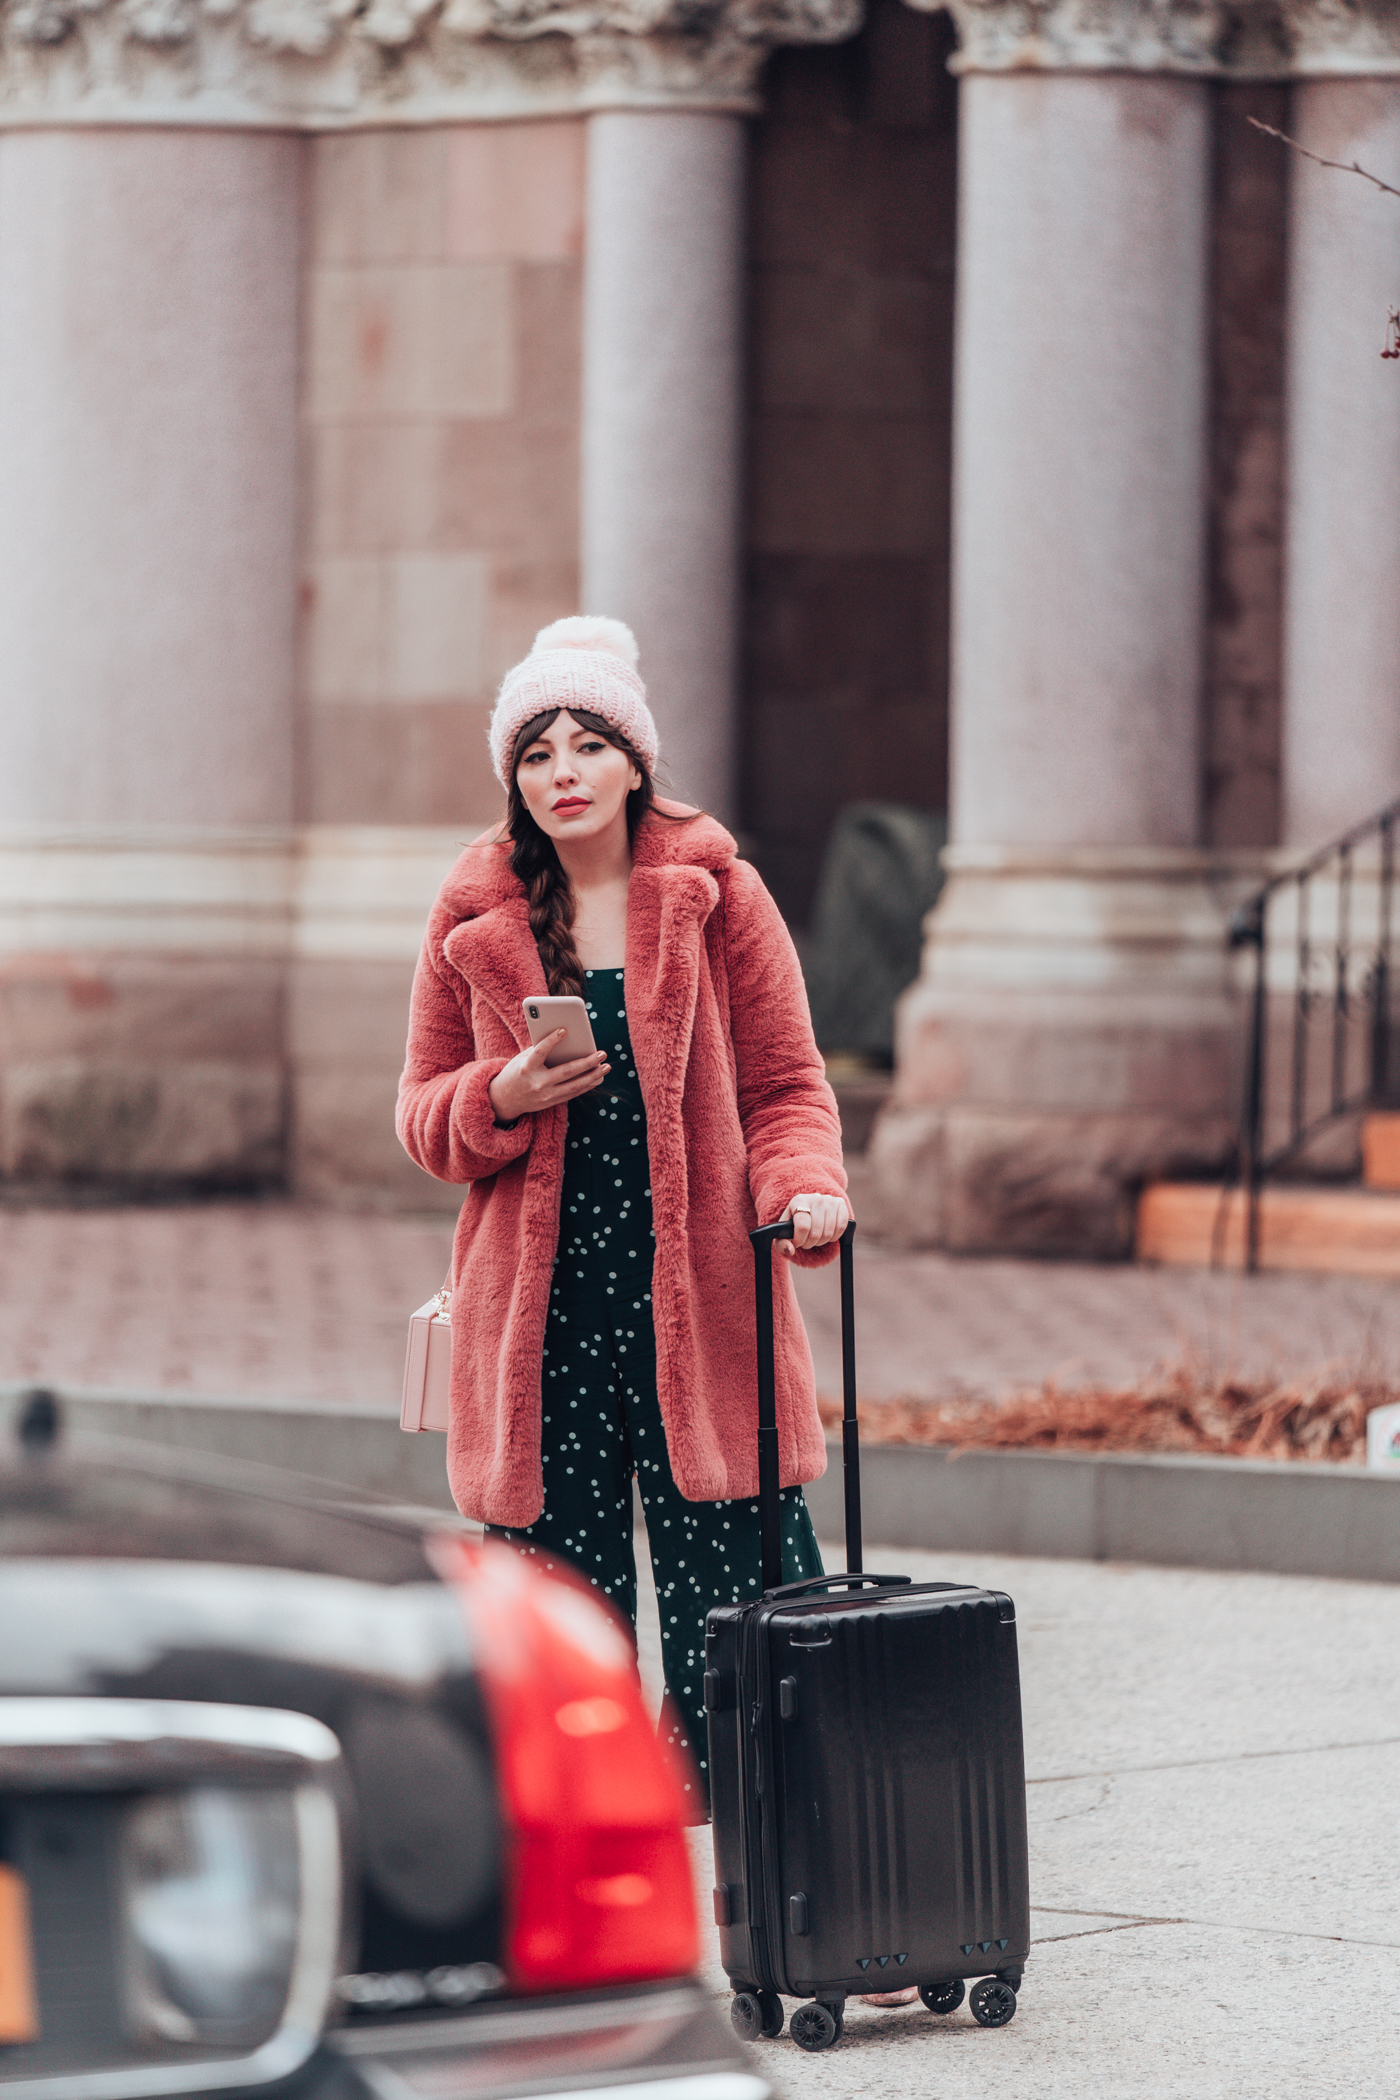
(275, 1301)
(1214, 1768)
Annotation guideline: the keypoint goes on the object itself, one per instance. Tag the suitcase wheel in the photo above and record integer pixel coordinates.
(746, 2016)
(943, 1997)
(756, 2013)
(993, 2002)
(813, 2026)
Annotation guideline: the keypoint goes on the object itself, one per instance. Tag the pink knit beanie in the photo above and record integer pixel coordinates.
(581, 662)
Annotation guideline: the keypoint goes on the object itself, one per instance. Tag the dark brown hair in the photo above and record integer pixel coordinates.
(534, 860)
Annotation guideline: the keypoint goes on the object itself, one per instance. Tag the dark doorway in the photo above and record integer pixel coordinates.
(852, 217)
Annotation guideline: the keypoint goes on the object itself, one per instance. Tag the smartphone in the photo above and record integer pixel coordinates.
(550, 1011)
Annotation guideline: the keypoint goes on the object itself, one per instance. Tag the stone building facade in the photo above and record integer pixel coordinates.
(967, 408)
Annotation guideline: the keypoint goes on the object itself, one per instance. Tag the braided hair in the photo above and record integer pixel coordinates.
(535, 863)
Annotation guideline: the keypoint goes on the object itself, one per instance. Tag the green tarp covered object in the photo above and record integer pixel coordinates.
(881, 874)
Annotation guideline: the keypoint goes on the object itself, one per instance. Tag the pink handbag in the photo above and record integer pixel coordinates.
(427, 1375)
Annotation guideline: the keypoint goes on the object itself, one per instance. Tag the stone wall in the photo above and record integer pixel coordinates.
(442, 424)
(442, 435)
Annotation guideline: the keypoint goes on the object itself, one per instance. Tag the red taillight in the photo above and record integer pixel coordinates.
(600, 1888)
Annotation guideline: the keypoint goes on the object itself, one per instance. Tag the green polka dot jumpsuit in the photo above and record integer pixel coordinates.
(602, 1421)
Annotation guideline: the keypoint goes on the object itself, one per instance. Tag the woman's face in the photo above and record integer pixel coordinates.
(575, 783)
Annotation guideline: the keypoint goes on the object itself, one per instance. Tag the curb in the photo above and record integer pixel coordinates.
(350, 1447)
(1179, 1512)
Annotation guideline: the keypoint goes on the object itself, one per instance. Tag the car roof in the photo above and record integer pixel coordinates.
(98, 1497)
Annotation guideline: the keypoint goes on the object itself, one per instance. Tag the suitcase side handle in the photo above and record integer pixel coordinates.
(849, 1582)
(769, 1515)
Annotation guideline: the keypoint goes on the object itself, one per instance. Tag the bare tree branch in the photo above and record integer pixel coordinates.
(1348, 167)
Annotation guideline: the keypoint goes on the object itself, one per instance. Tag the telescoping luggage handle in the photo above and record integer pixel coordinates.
(769, 1514)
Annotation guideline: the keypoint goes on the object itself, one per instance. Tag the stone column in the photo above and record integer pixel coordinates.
(1342, 631)
(1071, 1032)
(148, 425)
(1079, 441)
(662, 418)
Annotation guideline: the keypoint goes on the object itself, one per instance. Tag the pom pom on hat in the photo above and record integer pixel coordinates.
(585, 631)
(588, 662)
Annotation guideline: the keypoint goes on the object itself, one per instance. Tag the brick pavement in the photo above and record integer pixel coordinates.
(275, 1300)
(256, 1300)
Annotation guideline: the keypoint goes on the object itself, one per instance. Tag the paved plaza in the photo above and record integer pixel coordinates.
(270, 1301)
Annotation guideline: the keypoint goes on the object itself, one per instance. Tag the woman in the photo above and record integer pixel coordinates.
(602, 1294)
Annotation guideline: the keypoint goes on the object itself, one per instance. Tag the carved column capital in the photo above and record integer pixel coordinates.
(1117, 36)
(1342, 37)
(322, 65)
(1240, 39)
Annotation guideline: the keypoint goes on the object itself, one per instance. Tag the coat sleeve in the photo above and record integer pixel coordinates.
(792, 1131)
(445, 1120)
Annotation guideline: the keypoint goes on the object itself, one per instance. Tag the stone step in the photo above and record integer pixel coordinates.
(1380, 1149)
(1354, 1231)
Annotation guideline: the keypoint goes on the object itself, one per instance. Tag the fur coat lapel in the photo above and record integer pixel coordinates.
(666, 912)
(497, 956)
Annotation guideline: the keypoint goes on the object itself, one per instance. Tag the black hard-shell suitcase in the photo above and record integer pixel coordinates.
(867, 1775)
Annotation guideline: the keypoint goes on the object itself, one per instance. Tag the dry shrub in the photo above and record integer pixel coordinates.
(1177, 1409)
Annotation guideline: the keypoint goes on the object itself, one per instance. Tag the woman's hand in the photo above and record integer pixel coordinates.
(526, 1084)
(815, 1221)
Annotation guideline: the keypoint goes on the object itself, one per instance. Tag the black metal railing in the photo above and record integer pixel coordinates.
(1320, 1003)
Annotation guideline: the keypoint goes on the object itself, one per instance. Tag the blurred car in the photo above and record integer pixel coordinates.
(305, 1795)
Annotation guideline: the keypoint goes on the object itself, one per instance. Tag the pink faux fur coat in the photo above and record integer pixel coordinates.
(739, 1120)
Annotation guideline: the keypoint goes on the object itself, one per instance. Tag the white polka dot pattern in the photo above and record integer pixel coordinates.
(602, 1420)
